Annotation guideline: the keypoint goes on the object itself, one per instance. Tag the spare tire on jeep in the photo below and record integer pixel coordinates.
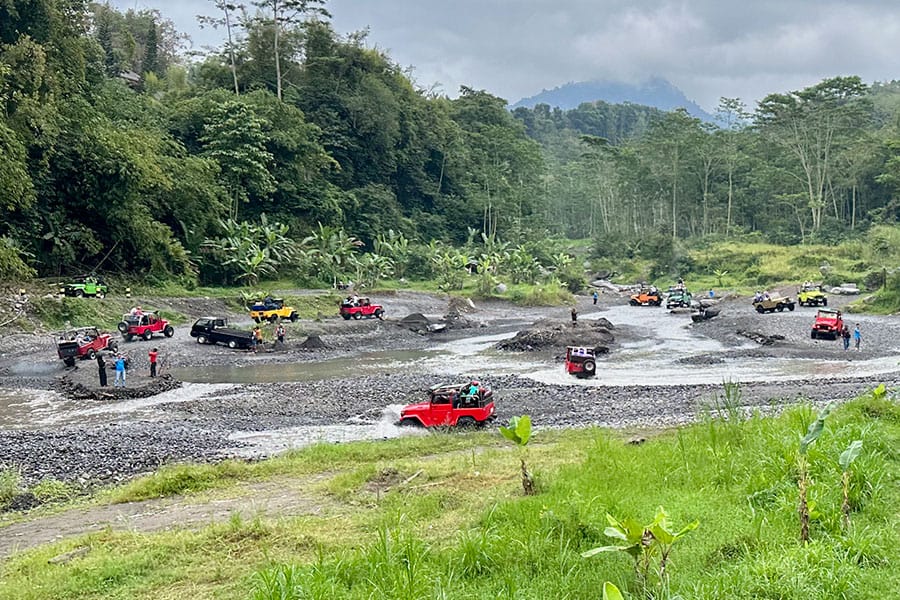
(122, 327)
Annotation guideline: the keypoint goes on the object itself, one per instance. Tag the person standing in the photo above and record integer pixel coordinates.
(845, 336)
(857, 338)
(279, 333)
(257, 338)
(154, 356)
(101, 369)
(120, 370)
(596, 296)
(574, 316)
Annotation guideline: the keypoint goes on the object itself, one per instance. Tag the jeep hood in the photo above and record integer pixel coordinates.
(416, 407)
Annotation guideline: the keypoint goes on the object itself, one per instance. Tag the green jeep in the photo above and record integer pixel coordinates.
(87, 285)
(811, 294)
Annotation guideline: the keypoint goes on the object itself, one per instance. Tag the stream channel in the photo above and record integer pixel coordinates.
(648, 355)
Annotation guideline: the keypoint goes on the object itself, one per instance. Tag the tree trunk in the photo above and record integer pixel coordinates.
(277, 24)
(237, 91)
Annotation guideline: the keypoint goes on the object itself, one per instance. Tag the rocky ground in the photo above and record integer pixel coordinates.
(107, 435)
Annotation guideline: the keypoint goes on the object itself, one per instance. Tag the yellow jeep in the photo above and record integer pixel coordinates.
(811, 294)
(271, 309)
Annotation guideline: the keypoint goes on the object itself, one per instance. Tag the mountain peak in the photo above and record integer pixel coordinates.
(654, 91)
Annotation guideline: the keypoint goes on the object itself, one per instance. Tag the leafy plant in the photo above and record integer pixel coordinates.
(611, 592)
(649, 545)
(720, 275)
(519, 432)
(846, 459)
(812, 434)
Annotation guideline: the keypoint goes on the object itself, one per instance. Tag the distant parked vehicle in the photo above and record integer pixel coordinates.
(85, 285)
(828, 324)
(272, 309)
(811, 294)
(83, 343)
(144, 325)
(646, 297)
(359, 308)
(772, 304)
(214, 330)
(678, 298)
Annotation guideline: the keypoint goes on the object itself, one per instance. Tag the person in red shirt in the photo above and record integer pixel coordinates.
(154, 355)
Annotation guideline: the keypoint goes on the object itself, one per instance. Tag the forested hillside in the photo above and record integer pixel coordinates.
(818, 164)
(296, 145)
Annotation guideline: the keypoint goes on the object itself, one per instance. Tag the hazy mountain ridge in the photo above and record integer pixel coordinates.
(655, 92)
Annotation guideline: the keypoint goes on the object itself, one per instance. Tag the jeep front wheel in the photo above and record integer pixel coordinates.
(92, 355)
(232, 344)
(812, 334)
(379, 314)
(780, 308)
(824, 301)
(790, 306)
(147, 335)
(169, 331)
(201, 339)
(79, 293)
(112, 346)
(346, 317)
(69, 362)
(294, 317)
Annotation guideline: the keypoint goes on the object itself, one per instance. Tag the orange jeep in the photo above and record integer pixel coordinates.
(646, 297)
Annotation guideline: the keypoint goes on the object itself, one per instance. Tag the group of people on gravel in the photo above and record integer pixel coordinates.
(121, 364)
(257, 338)
(856, 335)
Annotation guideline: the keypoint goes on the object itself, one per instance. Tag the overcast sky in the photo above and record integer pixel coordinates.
(708, 48)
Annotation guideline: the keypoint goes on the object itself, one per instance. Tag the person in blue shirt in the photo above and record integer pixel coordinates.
(120, 370)
(857, 337)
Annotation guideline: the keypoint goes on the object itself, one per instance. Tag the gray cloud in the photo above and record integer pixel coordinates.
(708, 48)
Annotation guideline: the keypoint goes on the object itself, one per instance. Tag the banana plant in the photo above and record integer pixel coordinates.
(846, 460)
(649, 545)
(812, 434)
(519, 432)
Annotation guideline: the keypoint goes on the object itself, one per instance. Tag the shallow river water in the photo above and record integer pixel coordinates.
(663, 339)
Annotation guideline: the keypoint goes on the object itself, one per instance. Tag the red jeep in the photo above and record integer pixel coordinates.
(84, 342)
(581, 362)
(357, 308)
(144, 325)
(828, 325)
(462, 405)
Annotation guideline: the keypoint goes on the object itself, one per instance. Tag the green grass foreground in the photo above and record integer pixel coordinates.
(462, 529)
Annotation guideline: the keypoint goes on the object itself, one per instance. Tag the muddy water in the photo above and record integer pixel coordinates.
(255, 443)
(465, 356)
(36, 409)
